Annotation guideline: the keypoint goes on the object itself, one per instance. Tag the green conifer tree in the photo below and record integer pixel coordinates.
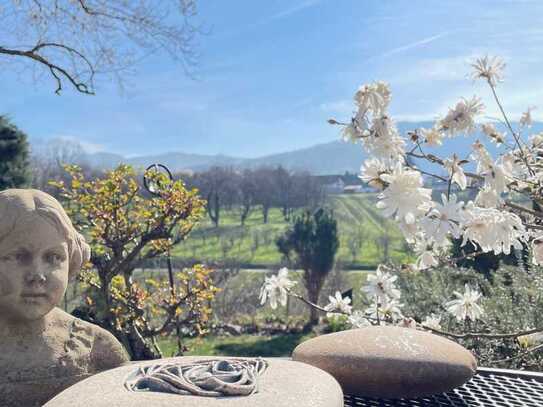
(311, 243)
(14, 156)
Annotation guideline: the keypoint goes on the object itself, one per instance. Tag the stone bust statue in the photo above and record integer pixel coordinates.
(43, 350)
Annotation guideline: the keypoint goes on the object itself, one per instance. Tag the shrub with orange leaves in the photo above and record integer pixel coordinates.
(126, 227)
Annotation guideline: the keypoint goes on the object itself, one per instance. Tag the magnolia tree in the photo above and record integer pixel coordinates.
(504, 215)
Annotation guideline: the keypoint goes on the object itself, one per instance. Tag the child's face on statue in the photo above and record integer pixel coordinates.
(34, 269)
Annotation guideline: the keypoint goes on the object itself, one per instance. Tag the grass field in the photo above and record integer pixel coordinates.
(243, 345)
(364, 236)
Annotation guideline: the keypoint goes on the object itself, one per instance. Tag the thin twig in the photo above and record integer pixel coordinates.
(524, 209)
(519, 356)
(515, 136)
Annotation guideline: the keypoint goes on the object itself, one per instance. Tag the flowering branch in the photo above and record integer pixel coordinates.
(497, 220)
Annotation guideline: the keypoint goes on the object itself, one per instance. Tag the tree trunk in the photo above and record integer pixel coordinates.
(138, 347)
(265, 212)
(314, 286)
(213, 208)
(245, 213)
(286, 212)
(313, 313)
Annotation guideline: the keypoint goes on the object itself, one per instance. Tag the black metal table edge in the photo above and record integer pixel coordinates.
(488, 387)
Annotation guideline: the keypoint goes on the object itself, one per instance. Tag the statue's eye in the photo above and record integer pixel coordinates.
(23, 257)
(54, 258)
(19, 256)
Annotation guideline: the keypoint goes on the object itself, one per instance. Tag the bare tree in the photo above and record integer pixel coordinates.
(306, 191)
(285, 189)
(74, 41)
(217, 186)
(48, 159)
(246, 186)
(265, 191)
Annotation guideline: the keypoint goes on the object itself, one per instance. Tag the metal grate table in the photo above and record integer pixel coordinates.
(489, 387)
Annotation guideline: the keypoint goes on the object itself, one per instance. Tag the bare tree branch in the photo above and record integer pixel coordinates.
(78, 40)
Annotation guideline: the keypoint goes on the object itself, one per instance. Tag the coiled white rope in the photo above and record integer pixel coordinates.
(208, 378)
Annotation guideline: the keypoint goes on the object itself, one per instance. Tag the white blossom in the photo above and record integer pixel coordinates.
(275, 288)
(443, 220)
(384, 141)
(371, 172)
(409, 230)
(465, 305)
(537, 141)
(488, 197)
(426, 260)
(432, 321)
(482, 157)
(455, 171)
(358, 320)
(380, 285)
(461, 118)
(515, 164)
(494, 135)
(404, 196)
(492, 229)
(433, 137)
(351, 134)
(526, 118)
(489, 68)
(374, 97)
(537, 251)
(338, 304)
(498, 176)
(386, 310)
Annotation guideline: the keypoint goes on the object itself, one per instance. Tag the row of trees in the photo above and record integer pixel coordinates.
(263, 188)
(223, 187)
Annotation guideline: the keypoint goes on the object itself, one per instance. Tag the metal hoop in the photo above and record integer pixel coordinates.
(148, 183)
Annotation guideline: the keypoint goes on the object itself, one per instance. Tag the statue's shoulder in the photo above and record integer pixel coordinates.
(106, 352)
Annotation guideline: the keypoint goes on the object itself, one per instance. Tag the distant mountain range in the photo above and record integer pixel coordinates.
(336, 157)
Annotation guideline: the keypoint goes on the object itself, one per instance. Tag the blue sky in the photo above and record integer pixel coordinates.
(272, 72)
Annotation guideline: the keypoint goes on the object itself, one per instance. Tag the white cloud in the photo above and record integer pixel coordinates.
(293, 9)
(412, 45)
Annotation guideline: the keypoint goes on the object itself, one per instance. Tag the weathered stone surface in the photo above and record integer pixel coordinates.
(43, 350)
(284, 384)
(389, 362)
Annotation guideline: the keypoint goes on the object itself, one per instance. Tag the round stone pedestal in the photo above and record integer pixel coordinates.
(285, 383)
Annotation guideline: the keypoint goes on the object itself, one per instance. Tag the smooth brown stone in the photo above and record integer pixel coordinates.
(389, 362)
(284, 384)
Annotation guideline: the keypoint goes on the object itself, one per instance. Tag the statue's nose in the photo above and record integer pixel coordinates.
(36, 274)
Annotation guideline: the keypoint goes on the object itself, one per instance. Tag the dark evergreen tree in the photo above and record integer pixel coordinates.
(14, 156)
(311, 243)
(486, 263)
